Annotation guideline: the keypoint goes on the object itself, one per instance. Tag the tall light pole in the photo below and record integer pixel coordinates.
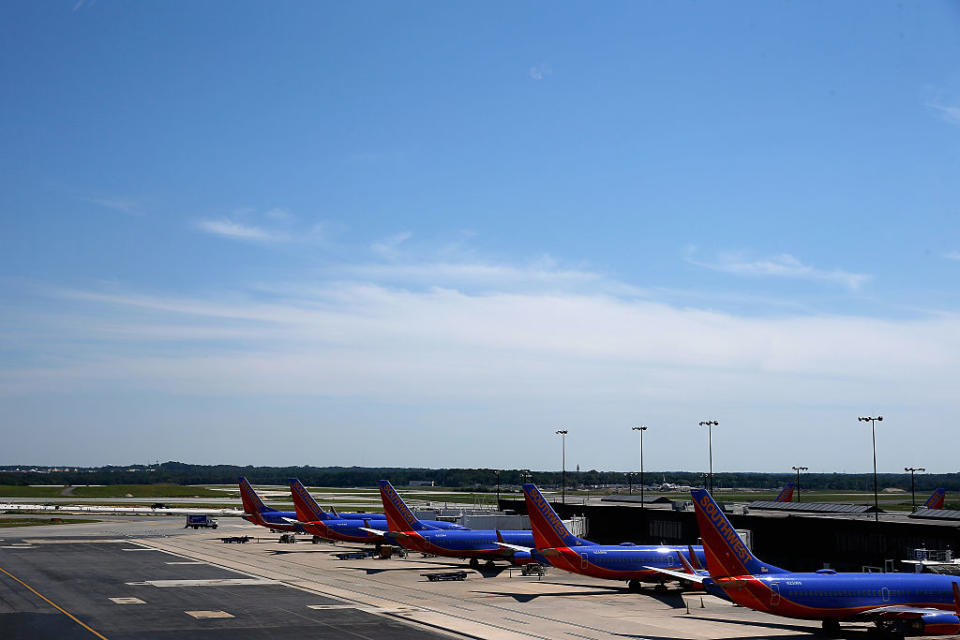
(641, 428)
(913, 493)
(798, 470)
(876, 502)
(497, 472)
(710, 424)
(563, 469)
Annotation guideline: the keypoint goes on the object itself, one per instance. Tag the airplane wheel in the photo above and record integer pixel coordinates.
(490, 564)
(635, 585)
(831, 627)
(474, 564)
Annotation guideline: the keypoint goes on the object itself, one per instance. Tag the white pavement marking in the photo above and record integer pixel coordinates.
(141, 549)
(217, 582)
(127, 601)
(17, 546)
(204, 615)
(356, 607)
(188, 562)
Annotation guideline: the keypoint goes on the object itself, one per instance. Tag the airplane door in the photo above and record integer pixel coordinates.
(583, 561)
(774, 595)
(885, 594)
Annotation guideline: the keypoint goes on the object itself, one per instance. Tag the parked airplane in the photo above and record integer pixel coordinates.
(786, 494)
(317, 522)
(412, 534)
(258, 513)
(627, 561)
(906, 603)
(936, 499)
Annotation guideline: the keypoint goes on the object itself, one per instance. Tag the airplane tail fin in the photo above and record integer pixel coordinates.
(252, 503)
(549, 531)
(399, 516)
(786, 494)
(687, 567)
(307, 508)
(725, 551)
(936, 499)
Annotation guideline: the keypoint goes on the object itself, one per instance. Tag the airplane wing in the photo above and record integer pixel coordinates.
(678, 575)
(295, 521)
(904, 611)
(378, 532)
(512, 547)
(898, 611)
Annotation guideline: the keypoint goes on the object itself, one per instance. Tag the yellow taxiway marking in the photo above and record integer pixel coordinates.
(55, 605)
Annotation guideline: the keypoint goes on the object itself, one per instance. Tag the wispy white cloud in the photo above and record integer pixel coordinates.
(275, 226)
(949, 113)
(279, 214)
(227, 228)
(389, 247)
(953, 255)
(124, 205)
(540, 71)
(500, 341)
(782, 266)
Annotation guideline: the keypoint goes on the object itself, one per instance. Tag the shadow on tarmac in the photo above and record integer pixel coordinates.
(845, 631)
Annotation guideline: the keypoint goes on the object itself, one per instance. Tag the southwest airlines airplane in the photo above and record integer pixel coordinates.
(901, 603)
(412, 534)
(316, 521)
(786, 494)
(935, 501)
(627, 561)
(258, 513)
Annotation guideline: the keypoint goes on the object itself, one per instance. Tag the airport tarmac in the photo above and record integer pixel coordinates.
(268, 589)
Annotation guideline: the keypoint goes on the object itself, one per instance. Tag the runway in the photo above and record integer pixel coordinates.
(269, 589)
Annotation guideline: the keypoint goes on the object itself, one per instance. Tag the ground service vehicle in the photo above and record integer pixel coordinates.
(200, 520)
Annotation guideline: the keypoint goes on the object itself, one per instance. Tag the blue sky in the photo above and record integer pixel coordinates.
(431, 233)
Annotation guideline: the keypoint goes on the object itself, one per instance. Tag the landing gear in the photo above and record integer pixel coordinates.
(490, 564)
(660, 588)
(474, 564)
(635, 585)
(831, 627)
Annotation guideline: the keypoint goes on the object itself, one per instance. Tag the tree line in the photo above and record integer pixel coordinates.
(481, 479)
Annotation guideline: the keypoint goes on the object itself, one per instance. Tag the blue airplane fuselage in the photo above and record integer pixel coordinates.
(827, 595)
(618, 562)
(480, 543)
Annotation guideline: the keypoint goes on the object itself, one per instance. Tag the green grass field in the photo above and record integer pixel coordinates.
(111, 491)
(146, 491)
(17, 491)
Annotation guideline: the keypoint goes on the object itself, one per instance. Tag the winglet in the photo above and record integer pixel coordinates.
(333, 510)
(686, 565)
(694, 560)
(726, 553)
(956, 598)
(399, 516)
